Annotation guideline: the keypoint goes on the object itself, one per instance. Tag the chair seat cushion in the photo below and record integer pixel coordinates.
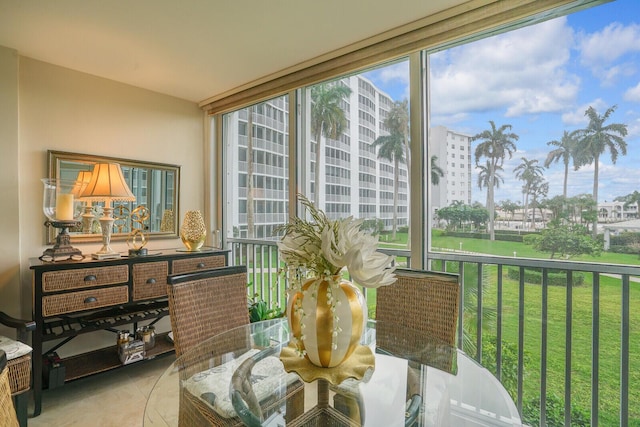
(13, 348)
(212, 386)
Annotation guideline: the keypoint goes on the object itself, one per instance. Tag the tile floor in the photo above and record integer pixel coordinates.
(111, 399)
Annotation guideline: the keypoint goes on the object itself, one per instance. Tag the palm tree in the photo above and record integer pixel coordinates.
(395, 147)
(436, 171)
(391, 148)
(529, 172)
(496, 144)
(594, 141)
(538, 189)
(398, 119)
(564, 151)
(328, 119)
(484, 178)
(510, 207)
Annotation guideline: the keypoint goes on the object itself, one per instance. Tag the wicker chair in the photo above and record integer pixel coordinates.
(413, 315)
(19, 363)
(422, 301)
(7, 414)
(418, 312)
(202, 305)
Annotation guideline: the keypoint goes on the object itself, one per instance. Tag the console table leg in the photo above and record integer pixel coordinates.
(36, 358)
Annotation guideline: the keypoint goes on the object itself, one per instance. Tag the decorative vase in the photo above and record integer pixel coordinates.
(193, 232)
(327, 318)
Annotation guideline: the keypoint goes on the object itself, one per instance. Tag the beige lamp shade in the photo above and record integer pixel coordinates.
(107, 183)
(82, 180)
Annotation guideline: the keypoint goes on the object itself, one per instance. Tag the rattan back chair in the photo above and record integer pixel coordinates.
(8, 416)
(421, 301)
(205, 304)
(416, 313)
(201, 306)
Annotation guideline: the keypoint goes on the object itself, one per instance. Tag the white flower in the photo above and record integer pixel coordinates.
(324, 247)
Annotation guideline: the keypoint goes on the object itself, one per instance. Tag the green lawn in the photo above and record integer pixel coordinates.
(522, 251)
(610, 323)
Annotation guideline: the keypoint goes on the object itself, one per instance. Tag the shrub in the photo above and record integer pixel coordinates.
(509, 365)
(555, 278)
(618, 249)
(625, 239)
(485, 236)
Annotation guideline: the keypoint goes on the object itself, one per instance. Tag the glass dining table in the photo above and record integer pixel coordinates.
(239, 378)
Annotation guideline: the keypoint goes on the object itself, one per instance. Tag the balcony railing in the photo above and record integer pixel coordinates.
(500, 289)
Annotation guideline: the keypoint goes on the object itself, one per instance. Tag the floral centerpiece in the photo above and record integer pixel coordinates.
(327, 313)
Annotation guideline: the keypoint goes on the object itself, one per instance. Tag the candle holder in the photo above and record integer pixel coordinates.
(62, 250)
(61, 208)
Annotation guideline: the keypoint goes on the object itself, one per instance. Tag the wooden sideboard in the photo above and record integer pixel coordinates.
(77, 297)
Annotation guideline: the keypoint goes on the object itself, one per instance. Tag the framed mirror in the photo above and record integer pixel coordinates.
(155, 185)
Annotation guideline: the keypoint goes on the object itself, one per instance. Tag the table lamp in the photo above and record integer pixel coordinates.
(107, 183)
(83, 179)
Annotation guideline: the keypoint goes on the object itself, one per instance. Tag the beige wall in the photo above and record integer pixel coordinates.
(9, 191)
(44, 107)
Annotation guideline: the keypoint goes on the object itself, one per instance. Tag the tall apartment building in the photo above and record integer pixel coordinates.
(354, 181)
(454, 157)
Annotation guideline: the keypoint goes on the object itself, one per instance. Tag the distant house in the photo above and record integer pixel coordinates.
(616, 211)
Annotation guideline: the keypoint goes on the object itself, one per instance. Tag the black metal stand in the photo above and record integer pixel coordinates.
(62, 250)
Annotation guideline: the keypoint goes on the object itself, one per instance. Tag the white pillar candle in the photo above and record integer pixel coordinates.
(64, 207)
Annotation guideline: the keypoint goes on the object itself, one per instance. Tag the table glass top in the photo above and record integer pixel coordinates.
(238, 376)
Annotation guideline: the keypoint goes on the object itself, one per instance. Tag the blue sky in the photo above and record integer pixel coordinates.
(541, 79)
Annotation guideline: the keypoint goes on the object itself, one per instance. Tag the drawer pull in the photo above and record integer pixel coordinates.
(200, 265)
(90, 300)
(151, 281)
(90, 278)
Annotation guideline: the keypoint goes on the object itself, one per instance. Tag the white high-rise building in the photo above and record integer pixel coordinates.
(454, 157)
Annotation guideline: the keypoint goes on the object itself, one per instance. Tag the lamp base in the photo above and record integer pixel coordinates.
(106, 222)
(114, 255)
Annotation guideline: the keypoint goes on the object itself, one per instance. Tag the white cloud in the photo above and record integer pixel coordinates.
(633, 94)
(614, 41)
(397, 72)
(600, 50)
(633, 127)
(393, 77)
(522, 71)
(576, 116)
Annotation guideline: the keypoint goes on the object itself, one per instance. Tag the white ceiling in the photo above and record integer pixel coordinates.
(195, 49)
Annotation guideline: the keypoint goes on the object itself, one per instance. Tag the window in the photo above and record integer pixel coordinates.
(538, 79)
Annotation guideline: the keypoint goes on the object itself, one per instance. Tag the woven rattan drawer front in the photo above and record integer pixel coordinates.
(189, 265)
(54, 305)
(84, 278)
(150, 280)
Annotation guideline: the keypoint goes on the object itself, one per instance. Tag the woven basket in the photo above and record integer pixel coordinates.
(19, 373)
(7, 412)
